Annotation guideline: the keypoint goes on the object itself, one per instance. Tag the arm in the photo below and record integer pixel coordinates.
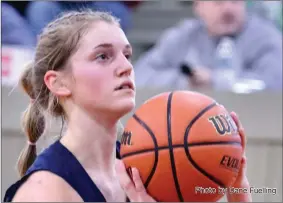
(44, 186)
(266, 61)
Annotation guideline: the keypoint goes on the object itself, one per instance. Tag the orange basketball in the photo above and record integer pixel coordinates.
(185, 146)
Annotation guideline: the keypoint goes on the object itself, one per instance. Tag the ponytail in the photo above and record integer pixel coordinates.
(33, 124)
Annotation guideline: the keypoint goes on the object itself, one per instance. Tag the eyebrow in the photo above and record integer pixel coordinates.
(107, 45)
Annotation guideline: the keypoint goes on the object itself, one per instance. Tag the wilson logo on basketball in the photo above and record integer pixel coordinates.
(230, 163)
(223, 124)
(126, 138)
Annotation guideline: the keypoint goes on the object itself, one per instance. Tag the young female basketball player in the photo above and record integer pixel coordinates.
(82, 73)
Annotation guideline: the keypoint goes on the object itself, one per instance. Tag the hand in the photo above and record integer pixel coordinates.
(242, 173)
(242, 180)
(201, 76)
(134, 187)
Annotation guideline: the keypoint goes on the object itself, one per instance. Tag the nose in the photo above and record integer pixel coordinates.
(124, 68)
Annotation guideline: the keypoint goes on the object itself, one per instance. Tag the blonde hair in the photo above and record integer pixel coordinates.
(58, 41)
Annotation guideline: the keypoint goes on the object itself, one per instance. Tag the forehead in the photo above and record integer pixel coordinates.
(208, 4)
(104, 33)
(216, 4)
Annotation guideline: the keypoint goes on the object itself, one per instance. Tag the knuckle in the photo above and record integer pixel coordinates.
(141, 189)
(127, 185)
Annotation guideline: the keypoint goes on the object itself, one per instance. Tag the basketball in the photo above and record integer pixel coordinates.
(185, 146)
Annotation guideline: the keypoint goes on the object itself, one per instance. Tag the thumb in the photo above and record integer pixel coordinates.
(125, 181)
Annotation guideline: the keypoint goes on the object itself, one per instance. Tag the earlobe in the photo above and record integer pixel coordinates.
(55, 84)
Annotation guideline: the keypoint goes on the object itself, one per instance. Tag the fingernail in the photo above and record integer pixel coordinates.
(244, 160)
(136, 170)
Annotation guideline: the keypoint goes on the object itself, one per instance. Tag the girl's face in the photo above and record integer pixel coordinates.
(102, 71)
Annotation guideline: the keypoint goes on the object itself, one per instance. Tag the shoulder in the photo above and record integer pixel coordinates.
(44, 186)
(189, 25)
(263, 30)
(181, 31)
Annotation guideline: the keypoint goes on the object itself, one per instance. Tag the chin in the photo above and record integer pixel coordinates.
(128, 107)
(124, 107)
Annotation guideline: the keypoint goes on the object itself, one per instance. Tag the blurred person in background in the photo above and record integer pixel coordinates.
(40, 13)
(222, 45)
(15, 30)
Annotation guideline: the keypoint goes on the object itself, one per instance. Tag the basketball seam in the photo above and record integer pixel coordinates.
(186, 146)
(171, 147)
(171, 152)
(145, 126)
(181, 146)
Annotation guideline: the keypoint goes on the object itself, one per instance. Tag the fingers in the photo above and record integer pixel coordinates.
(243, 169)
(137, 181)
(140, 189)
(244, 161)
(240, 128)
(134, 189)
(124, 179)
(201, 77)
(242, 172)
(236, 120)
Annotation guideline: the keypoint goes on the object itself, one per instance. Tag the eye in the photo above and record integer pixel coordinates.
(128, 56)
(102, 56)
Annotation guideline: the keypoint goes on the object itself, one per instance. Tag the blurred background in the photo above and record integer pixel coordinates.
(229, 50)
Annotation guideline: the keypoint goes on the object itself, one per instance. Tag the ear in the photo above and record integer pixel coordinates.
(56, 84)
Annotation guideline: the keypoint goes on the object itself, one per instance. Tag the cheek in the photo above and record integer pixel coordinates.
(91, 83)
(212, 22)
(240, 13)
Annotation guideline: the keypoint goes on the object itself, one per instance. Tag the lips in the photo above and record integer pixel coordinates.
(228, 18)
(125, 85)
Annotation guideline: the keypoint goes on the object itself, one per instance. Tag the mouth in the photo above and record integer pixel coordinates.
(125, 85)
(229, 19)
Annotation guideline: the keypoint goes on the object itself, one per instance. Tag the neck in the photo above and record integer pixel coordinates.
(93, 142)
